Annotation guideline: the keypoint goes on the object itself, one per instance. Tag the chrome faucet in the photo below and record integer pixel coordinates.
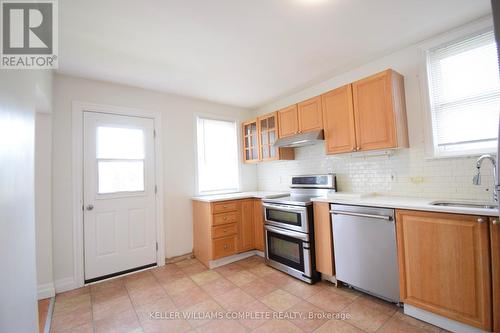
(476, 180)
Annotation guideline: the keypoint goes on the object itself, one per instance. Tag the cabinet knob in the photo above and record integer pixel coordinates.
(225, 246)
(353, 148)
(224, 218)
(225, 230)
(358, 148)
(480, 220)
(224, 206)
(495, 221)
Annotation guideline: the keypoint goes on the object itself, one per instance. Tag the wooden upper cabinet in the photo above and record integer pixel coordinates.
(288, 121)
(250, 141)
(444, 265)
(380, 112)
(309, 115)
(268, 129)
(338, 120)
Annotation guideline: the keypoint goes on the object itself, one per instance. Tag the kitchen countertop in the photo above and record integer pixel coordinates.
(398, 202)
(239, 195)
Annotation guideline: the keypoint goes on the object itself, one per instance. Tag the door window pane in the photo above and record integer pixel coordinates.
(120, 176)
(120, 143)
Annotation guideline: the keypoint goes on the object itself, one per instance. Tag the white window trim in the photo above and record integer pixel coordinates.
(237, 122)
(470, 29)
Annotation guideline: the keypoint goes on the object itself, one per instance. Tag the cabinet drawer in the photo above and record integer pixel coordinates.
(223, 247)
(225, 218)
(225, 206)
(224, 230)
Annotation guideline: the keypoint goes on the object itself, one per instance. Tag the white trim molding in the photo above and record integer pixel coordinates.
(78, 108)
(440, 321)
(236, 257)
(46, 290)
(65, 284)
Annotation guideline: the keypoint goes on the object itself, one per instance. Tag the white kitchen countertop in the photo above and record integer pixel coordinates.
(423, 204)
(239, 195)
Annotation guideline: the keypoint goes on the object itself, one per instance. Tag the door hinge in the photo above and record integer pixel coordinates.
(83, 207)
(154, 134)
(156, 189)
(156, 246)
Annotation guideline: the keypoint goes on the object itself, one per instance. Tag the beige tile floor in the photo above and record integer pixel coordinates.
(246, 287)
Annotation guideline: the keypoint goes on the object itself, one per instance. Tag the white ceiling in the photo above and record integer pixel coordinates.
(242, 52)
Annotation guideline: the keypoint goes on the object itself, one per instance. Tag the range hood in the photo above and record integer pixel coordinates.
(300, 140)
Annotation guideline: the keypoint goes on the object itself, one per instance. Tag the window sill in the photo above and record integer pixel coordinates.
(457, 155)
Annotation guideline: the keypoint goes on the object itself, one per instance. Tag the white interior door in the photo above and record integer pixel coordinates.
(119, 194)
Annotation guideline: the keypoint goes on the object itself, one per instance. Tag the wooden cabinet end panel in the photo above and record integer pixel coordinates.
(495, 270)
(258, 225)
(202, 221)
(323, 239)
(445, 265)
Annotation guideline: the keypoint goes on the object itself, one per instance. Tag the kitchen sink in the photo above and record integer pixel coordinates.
(464, 204)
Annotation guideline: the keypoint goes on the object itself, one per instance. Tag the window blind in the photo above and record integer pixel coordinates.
(464, 94)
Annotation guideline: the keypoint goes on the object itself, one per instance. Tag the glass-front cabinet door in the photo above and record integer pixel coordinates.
(268, 129)
(250, 142)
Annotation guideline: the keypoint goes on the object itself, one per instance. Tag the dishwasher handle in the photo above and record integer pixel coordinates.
(371, 216)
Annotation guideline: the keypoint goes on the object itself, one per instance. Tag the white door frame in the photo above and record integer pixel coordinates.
(78, 109)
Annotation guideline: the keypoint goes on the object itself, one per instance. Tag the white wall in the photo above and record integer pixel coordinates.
(407, 172)
(43, 204)
(18, 98)
(178, 116)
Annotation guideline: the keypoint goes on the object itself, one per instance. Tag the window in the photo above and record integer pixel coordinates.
(120, 160)
(464, 91)
(218, 166)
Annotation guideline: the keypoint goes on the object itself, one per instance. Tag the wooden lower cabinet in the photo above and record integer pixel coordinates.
(246, 234)
(495, 270)
(225, 228)
(323, 238)
(444, 264)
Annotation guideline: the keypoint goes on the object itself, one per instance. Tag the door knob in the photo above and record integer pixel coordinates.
(90, 207)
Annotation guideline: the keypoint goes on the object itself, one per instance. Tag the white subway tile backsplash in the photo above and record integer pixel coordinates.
(399, 172)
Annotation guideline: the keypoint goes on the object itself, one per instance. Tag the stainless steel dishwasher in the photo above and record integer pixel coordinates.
(365, 249)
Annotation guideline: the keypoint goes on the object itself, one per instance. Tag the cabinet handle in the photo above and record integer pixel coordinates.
(480, 220)
(224, 218)
(495, 221)
(224, 206)
(225, 246)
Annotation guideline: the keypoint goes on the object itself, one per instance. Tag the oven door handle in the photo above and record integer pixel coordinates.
(285, 208)
(289, 233)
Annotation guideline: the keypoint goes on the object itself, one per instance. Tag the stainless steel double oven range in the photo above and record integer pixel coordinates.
(288, 223)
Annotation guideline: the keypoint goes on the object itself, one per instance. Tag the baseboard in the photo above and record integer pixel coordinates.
(65, 284)
(46, 290)
(440, 321)
(175, 259)
(260, 253)
(231, 259)
(329, 278)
